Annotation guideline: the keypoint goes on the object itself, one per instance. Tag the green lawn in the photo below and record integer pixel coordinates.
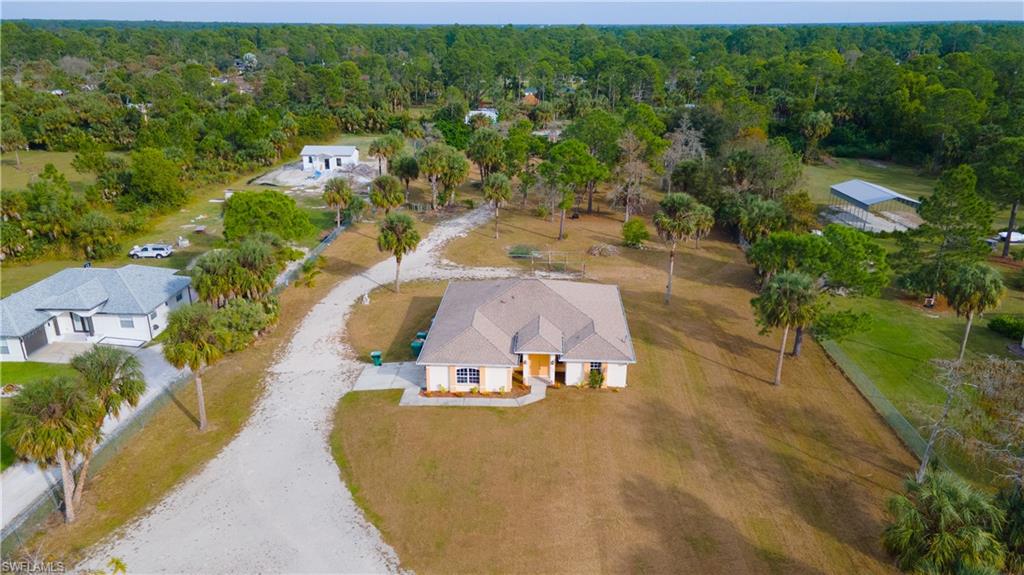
(897, 350)
(20, 373)
(14, 176)
(818, 178)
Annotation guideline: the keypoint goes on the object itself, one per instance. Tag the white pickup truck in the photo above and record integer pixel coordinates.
(151, 251)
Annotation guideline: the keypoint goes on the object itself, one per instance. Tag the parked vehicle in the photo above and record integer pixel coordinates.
(151, 251)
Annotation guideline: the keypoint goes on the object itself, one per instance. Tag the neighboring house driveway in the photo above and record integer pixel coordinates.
(272, 501)
(23, 483)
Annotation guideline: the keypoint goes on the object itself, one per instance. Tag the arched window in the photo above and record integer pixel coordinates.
(467, 375)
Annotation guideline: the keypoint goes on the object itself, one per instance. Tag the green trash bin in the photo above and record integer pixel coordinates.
(377, 357)
(421, 335)
(417, 345)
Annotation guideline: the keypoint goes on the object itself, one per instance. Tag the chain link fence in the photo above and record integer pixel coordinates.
(906, 431)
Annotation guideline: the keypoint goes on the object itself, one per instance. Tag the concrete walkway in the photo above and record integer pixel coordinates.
(23, 483)
(273, 501)
(412, 378)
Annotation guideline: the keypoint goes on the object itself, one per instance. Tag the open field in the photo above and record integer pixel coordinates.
(699, 466)
(169, 448)
(392, 332)
(16, 177)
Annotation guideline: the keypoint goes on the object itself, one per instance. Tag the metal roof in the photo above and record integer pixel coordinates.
(129, 290)
(865, 194)
(328, 150)
(490, 322)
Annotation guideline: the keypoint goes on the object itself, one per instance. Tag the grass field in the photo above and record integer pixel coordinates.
(408, 312)
(14, 176)
(699, 466)
(20, 373)
(169, 448)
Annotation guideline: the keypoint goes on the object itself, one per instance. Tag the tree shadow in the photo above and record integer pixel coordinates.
(181, 406)
(690, 533)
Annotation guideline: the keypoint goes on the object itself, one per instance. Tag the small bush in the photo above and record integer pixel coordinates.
(635, 233)
(1010, 326)
(603, 250)
(469, 203)
(542, 212)
(595, 380)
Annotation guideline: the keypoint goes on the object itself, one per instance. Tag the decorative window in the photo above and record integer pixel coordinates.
(595, 366)
(467, 375)
(4, 350)
(127, 322)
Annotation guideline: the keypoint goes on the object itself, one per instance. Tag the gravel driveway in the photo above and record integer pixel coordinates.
(272, 501)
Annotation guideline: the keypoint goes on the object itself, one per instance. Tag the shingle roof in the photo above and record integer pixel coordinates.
(129, 290)
(490, 322)
(328, 150)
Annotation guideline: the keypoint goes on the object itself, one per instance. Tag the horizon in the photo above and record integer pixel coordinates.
(566, 13)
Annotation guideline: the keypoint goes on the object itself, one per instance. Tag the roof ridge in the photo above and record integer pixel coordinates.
(128, 285)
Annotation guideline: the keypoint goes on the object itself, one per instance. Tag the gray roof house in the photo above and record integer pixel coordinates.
(486, 333)
(126, 306)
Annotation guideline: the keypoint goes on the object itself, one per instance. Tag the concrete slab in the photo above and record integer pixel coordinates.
(60, 351)
(398, 375)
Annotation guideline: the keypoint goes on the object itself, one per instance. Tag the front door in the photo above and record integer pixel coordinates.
(539, 365)
(81, 324)
(327, 163)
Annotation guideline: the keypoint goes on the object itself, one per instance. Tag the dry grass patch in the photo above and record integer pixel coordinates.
(699, 466)
(169, 448)
(392, 332)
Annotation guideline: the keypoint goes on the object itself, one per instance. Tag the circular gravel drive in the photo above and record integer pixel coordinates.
(272, 501)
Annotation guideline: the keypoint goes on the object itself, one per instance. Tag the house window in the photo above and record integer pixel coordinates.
(179, 296)
(127, 322)
(152, 314)
(467, 375)
(595, 366)
(4, 350)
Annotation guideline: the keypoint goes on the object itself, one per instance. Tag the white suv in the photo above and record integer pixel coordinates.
(151, 251)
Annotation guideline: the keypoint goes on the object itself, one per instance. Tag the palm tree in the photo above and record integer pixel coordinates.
(398, 235)
(760, 217)
(674, 222)
(377, 149)
(114, 377)
(943, 525)
(456, 170)
(789, 299)
(433, 161)
(497, 190)
(703, 221)
(193, 341)
(385, 147)
(338, 195)
(257, 268)
(407, 169)
(52, 420)
(386, 193)
(215, 276)
(973, 289)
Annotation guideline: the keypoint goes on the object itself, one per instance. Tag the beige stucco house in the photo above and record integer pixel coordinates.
(486, 333)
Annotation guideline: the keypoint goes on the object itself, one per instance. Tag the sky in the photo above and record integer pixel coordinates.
(531, 12)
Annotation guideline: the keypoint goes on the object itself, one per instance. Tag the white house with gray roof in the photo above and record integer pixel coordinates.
(328, 158)
(120, 306)
(486, 333)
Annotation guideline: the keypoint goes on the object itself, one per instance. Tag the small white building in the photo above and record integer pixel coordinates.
(120, 306)
(490, 113)
(328, 158)
(488, 333)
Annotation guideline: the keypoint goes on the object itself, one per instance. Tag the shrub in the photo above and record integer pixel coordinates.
(1008, 325)
(595, 380)
(542, 212)
(635, 233)
(242, 320)
(247, 213)
(469, 203)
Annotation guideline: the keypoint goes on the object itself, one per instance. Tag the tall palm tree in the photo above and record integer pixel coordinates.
(114, 376)
(52, 420)
(407, 169)
(456, 170)
(943, 525)
(973, 289)
(386, 193)
(497, 190)
(433, 160)
(193, 341)
(398, 235)
(674, 222)
(338, 195)
(788, 300)
(385, 147)
(258, 268)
